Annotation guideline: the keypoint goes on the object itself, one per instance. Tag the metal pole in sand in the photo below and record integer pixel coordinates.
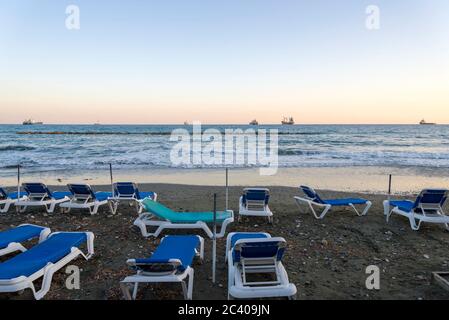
(112, 179)
(227, 187)
(214, 240)
(389, 186)
(18, 181)
(18, 185)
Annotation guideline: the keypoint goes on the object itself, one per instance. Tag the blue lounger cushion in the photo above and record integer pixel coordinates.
(13, 195)
(312, 194)
(345, 202)
(246, 235)
(174, 247)
(404, 205)
(102, 196)
(51, 250)
(58, 195)
(165, 213)
(19, 234)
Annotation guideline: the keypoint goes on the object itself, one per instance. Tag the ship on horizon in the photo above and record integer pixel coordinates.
(425, 123)
(288, 121)
(254, 123)
(30, 122)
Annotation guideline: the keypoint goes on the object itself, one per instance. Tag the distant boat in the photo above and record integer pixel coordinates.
(30, 122)
(288, 121)
(425, 123)
(254, 123)
(186, 123)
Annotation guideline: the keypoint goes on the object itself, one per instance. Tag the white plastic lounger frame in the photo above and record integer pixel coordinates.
(238, 285)
(255, 208)
(327, 207)
(39, 200)
(132, 282)
(15, 246)
(84, 201)
(431, 213)
(115, 201)
(22, 283)
(148, 219)
(6, 203)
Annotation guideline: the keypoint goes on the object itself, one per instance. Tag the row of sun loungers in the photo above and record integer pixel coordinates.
(79, 196)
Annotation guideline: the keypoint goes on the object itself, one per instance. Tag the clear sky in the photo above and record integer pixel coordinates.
(227, 61)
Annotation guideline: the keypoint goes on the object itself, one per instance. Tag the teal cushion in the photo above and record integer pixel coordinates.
(165, 213)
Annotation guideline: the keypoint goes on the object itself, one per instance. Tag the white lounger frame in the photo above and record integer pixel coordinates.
(49, 204)
(148, 219)
(22, 283)
(438, 216)
(328, 207)
(240, 288)
(132, 282)
(255, 208)
(83, 201)
(6, 203)
(15, 246)
(114, 203)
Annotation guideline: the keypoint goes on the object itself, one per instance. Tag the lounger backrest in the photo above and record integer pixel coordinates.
(312, 194)
(431, 198)
(256, 195)
(81, 191)
(3, 194)
(37, 190)
(126, 190)
(259, 249)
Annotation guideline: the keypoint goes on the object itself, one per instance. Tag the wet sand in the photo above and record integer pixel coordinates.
(326, 259)
(368, 179)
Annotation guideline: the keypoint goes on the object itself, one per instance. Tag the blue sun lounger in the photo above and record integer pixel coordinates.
(83, 197)
(43, 260)
(129, 192)
(171, 262)
(159, 216)
(40, 195)
(254, 202)
(312, 199)
(250, 253)
(7, 199)
(11, 240)
(428, 207)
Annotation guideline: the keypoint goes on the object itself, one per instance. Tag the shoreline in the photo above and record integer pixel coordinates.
(365, 179)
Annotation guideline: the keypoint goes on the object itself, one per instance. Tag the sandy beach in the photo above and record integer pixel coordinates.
(326, 259)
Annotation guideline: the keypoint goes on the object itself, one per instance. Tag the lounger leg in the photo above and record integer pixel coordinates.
(368, 206)
(51, 209)
(189, 286)
(136, 287)
(95, 210)
(386, 208)
(125, 291)
(323, 213)
(413, 224)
